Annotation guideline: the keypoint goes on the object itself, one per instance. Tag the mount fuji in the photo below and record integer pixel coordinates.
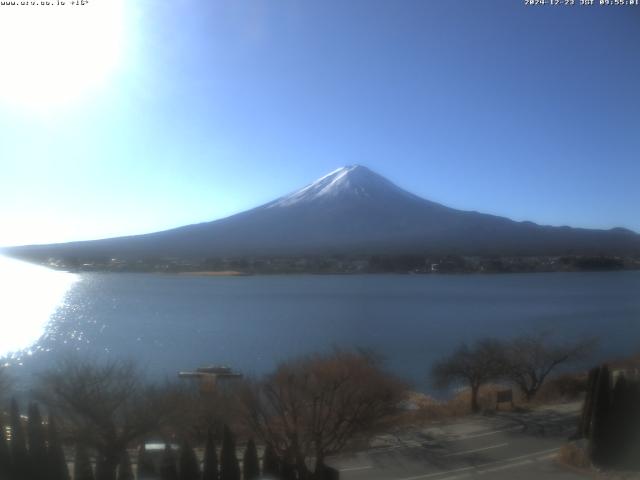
(352, 210)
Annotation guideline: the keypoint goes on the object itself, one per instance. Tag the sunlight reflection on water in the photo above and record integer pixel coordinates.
(29, 296)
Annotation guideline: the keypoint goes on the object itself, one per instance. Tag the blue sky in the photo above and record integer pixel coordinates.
(209, 108)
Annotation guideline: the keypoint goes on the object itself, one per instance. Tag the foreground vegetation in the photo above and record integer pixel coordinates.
(303, 412)
(526, 362)
(285, 425)
(608, 434)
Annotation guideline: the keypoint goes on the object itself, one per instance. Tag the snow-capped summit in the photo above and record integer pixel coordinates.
(349, 181)
(351, 210)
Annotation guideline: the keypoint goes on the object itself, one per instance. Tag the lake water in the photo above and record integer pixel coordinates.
(170, 323)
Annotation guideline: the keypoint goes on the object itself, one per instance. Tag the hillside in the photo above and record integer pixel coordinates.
(352, 210)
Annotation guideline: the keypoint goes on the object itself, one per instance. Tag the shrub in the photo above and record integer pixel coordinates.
(574, 455)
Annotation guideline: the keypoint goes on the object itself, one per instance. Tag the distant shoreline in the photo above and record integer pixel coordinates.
(224, 273)
(407, 264)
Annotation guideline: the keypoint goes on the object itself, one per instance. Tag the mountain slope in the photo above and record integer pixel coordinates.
(352, 210)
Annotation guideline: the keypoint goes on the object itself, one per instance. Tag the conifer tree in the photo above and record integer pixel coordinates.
(619, 435)
(168, 470)
(633, 423)
(270, 463)
(599, 441)
(82, 469)
(229, 468)
(288, 471)
(37, 443)
(146, 469)
(19, 454)
(125, 472)
(587, 407)
(101, 468)
(210, 468)
(189, 468)
(5, 455)
(250, 464)
(56, 461)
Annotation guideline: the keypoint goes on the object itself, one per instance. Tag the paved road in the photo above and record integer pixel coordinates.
(502, 446)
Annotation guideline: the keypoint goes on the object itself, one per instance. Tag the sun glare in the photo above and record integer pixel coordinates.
(30, 295)
(54, 54)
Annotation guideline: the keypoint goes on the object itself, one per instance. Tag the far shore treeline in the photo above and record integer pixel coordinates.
(342, 264)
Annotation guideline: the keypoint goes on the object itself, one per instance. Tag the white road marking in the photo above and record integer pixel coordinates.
(417, 444)
(506, 467)
(502, 467)
(353, 469)
(406, 446)
(476, 450)
(490, 470)
(512, 429)
(508, 461)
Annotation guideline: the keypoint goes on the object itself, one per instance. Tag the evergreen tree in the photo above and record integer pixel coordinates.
(619, 438)
(288, 471)
(250, 464)
(210, 469)
(146, 469)
(633, 424)
(56, 461)
(5, 455)
(102, 472)
(125, 472)
(229, 468)
(189, 468)
(19, 454)
(37, 444)
(599, 441)
(587, 407)
(82, 464)
(168, 470)
(270, 463)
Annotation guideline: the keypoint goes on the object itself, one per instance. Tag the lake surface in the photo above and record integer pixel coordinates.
(170, 323)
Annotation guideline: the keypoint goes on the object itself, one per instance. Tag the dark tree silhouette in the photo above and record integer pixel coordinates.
(210, 468)
(229, 468)
(82, 469)
(270, 463)
(5, 455)
(618, 436)
(189, 468)
(250, 463)
(57, 462)
(20, 465)
(632, 446)
(102, 468)
(289, 470)
(125, 471)
(624, 427)
(37, 443)
(146, 469)
(168, 470)
(587, 407)
(599, 446)
(474, 366)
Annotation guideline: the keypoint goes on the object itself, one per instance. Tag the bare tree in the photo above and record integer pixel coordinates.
(532, 357)
(105, 406)
(200, 413)
(471, 365)
(315, 406)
